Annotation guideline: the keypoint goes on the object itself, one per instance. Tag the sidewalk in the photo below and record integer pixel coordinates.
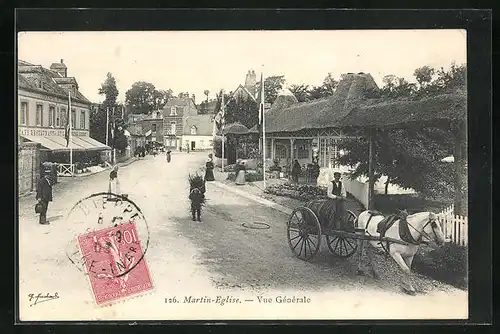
(255, 192)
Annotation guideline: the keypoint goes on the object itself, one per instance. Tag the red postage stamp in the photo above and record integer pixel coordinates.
(115, 263)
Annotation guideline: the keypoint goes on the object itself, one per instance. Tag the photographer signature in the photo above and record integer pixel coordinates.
(40, 298)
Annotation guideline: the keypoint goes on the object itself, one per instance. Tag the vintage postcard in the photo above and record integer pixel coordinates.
(242, 175)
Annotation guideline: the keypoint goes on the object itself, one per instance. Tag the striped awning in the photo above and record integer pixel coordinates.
(77, 143)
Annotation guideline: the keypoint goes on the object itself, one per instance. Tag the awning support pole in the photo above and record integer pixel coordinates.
(371, 177)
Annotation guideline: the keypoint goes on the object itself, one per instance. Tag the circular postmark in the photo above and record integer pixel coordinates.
(107, 235)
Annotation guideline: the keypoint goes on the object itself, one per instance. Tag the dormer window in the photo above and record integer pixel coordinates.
(193, 130)
(173, 111)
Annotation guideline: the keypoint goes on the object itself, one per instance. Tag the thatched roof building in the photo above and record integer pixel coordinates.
(351, 106)
(286, 115)
(405, 112)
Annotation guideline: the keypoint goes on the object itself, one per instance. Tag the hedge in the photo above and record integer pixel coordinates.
(447, 263)
(304, 192)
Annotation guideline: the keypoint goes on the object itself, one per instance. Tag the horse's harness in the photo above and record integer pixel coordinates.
(409, 237)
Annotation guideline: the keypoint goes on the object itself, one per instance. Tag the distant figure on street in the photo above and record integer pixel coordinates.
(44, 196)
(209, 169)
(187, 147)
(168, 156)
(296, 170)
(114, 183)
(337, 194)
(315, 172)
(240, 173)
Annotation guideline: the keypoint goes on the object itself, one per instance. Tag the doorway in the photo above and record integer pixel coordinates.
(193, 145)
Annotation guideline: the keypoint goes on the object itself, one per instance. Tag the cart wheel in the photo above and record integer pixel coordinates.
(304, 233)
(340, 245)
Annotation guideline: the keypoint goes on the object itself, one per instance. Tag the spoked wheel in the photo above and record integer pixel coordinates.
(341, 245)
(304, 233)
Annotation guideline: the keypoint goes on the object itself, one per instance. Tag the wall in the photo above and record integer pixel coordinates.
(28, 167)
(201, 142)
(147, 124)
(32, 99)
(356, 188)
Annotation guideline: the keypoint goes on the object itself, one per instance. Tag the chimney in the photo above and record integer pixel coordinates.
(62, 62)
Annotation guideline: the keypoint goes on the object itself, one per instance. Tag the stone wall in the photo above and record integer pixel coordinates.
(28, 157)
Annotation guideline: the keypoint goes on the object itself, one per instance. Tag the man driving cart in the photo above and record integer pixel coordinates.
(337, 195)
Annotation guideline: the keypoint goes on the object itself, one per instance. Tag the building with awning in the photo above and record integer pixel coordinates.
(43, 101)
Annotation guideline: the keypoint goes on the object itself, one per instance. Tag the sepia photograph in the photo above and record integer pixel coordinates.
(242, 175)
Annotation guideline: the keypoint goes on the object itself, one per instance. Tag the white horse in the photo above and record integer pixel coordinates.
(423, 229)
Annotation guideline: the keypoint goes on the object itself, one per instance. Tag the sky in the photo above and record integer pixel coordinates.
(193, 62)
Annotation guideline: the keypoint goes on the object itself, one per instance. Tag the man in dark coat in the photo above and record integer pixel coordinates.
(44, 196)
(337, 194)
(296, 169)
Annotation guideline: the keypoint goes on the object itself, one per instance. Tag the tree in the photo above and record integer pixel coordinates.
(272, 86)
(98, 115)
(301, 92)
(424, 75)
(206, 92)
(160, 98)
(120, 141)
(327, 88)
(242, 110)
(142, 97)
(411, 158)
(109, 90)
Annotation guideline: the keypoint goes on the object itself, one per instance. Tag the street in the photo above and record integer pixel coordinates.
(215, 257)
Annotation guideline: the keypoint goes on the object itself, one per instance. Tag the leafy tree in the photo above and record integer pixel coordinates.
(143, 97)
(411, 158)
(301, 92)
(272, 86)
(98, 115)
(242, 110)
(424, 75)
(109, 90)
(327, 88)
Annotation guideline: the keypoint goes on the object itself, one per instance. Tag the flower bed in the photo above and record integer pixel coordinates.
(250, 176)
(303, 192)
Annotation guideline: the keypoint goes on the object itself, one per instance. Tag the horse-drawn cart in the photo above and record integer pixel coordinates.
(308, 223)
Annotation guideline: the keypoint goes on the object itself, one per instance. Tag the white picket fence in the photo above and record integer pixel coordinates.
(454, 227)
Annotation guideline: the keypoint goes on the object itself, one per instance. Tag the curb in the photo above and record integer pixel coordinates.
(254, 198)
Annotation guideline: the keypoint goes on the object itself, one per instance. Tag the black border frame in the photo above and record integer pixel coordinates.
(478, 24)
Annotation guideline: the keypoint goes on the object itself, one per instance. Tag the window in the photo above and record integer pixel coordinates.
(172, 128)
(24, 113)
(39, 115)
(82, 119)
(193, 130)
(73, 118)
(210, 142)
(52, 115)
(153, 127)
(173, 111)
(302, 150)
(64, 116)
(201, 142)
(58, 118)
(280, 152)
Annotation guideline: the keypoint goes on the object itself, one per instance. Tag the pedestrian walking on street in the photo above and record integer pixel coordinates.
(44, 196)
(114, 183)
(168, 155)
(209, 169)
(197, 191)
(296, 169)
